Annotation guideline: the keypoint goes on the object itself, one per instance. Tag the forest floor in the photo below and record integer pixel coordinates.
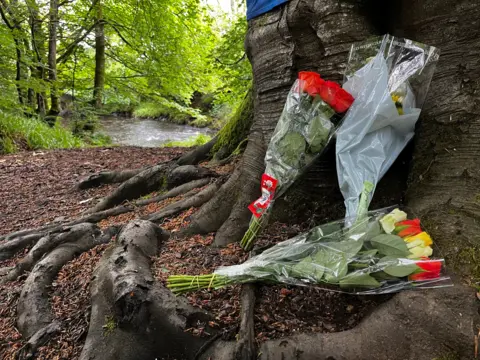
(38, 187)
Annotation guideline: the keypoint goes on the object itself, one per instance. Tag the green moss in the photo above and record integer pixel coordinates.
(192, 141)
(448, 356)
(173, 112)
(467, 259)
(237, 128)
(109, 326)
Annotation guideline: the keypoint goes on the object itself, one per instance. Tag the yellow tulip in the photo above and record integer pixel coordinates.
(423, 236)
(418, 249)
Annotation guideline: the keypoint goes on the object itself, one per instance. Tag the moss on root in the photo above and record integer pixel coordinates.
(236, 129)
(454, 233)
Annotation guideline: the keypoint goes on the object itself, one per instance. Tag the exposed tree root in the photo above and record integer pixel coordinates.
(247, 187)
(107, 177)
(11, 247)
(418, 325)
(50, 242)
(186, 173)
(152, 179)
(193, 201)
(16, 241)
(245, 348)
(33, 309)
(199, 154)
(40, 338)
(213, 214)
(141, 184)
(136, 317)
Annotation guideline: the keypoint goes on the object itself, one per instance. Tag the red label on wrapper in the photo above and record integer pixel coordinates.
(268, 185)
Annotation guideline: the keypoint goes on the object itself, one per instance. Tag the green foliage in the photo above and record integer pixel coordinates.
(232, 65)
(17, 131)
(157, 52)
(192, 141)
(174, 112)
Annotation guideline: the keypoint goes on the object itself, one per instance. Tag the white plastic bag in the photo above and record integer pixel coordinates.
(376, 128)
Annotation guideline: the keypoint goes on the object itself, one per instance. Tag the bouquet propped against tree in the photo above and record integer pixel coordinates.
(382, 253)
(389, 78)
(312, 113)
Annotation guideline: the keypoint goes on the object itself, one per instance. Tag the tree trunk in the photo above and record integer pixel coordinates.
(99, 56)
(52, 57)
(302, 35)
(445, 178)
(19, 73)
(38, 50)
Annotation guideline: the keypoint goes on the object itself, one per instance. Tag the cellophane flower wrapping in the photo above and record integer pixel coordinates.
(310, 117)
(368, 257)
(389, 79)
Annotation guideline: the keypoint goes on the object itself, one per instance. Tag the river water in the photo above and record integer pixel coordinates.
(146, 132)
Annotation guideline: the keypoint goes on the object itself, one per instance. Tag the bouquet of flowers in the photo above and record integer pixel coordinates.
(311, 114)
(382, 253)
(389, 78)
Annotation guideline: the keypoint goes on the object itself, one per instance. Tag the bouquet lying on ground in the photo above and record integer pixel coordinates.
(389, 78)
(311, 114)
(382, 253)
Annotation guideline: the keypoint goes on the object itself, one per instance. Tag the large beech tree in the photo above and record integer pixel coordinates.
(442, 189)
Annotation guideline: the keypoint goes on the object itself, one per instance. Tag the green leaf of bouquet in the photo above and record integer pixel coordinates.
(373, 229)
(327, 232)
(336, 270)
(306, 269)
(318, 132)
(348, 248)
(291, 148)
(390, 245)
(359, 280)
(401, 270)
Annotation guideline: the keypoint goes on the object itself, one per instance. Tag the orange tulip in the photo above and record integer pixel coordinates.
(407, 228)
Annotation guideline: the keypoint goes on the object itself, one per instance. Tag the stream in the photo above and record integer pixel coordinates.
(146, 132)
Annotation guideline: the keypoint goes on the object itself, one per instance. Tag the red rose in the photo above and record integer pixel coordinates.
(330, 92)
(339, 99)
(310, 82)
(431, 270)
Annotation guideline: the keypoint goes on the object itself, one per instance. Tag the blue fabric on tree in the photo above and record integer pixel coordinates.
(258, 7)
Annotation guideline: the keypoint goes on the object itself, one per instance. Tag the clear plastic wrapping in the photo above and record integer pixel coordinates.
(389, 79)
(361, 259)
(311, 114)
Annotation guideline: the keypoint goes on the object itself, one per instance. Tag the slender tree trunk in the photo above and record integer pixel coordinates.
(18, 74)
(52, 57)
(99, 56)
(16, 30)
(38, 50)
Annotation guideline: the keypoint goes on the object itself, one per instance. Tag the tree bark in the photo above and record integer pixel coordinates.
(445, 178)
(38, 50)
(302, 35)
(99, 83)
(52, 57)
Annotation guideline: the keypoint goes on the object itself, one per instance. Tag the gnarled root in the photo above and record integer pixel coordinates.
(137, 318)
